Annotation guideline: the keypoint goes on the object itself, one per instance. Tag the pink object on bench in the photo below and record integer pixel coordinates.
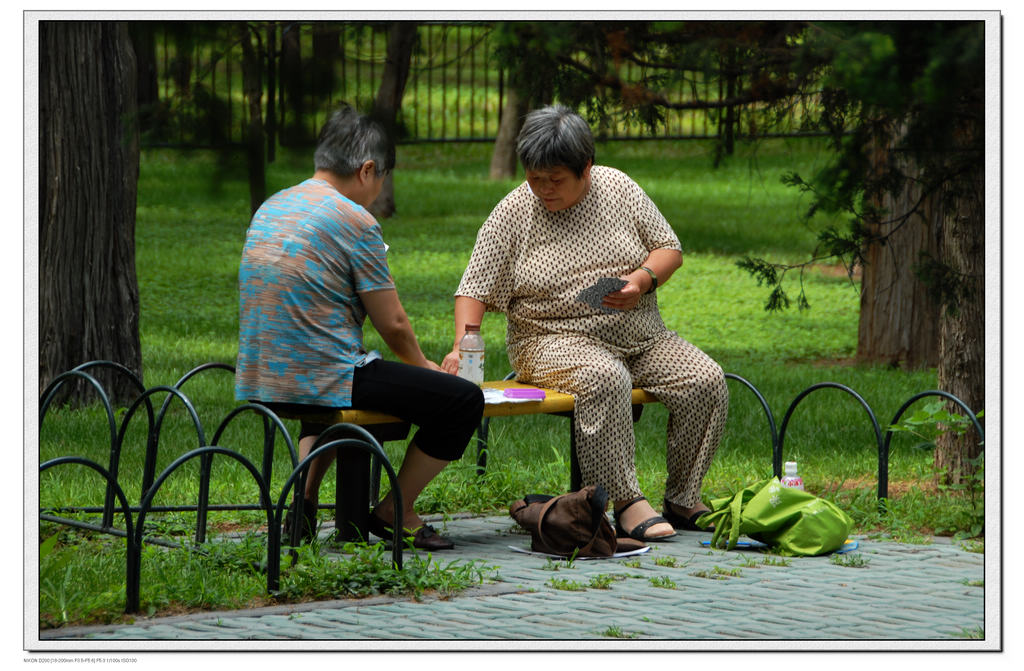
(525, 393)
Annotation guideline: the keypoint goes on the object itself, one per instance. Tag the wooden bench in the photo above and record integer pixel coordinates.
(356, 482)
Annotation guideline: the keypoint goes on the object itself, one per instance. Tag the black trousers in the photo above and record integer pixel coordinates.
(445, 409)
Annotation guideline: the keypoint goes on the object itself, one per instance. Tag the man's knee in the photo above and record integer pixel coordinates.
(469, 399)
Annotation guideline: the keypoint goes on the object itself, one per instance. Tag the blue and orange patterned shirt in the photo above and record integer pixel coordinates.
(308, 253)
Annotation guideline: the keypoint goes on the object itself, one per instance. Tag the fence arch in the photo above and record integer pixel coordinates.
(882, 465)
(271, 423)
(772, 430)
(339, 431)
(213, 365)
(51, 390)
(152, 444)
(944, 394)
(273, 532)
(913, 399)
(132, 559)
(298, 477)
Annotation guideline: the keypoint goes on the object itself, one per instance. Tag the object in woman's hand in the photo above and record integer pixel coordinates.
(594, 294)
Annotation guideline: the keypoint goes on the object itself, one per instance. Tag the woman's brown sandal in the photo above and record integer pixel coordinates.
(685, 523)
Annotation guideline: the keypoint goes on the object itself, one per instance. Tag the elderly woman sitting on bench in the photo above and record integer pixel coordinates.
(572, 225)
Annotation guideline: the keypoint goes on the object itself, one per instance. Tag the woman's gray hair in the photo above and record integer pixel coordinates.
(349, 139)
(555, 136)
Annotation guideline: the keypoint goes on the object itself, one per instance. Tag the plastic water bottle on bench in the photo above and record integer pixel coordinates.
(790, 478)
(471, 355)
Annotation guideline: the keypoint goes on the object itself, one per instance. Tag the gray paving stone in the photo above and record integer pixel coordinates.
(906, 592)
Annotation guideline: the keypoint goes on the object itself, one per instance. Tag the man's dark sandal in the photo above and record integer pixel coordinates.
(637, 532)
(424, 538)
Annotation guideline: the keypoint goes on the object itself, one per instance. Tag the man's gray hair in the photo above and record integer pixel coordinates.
(555, 136)
(348, 140)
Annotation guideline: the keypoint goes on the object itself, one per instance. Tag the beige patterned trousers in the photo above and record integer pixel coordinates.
(601, 377)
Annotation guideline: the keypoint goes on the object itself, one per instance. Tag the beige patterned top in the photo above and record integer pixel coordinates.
(531, 263)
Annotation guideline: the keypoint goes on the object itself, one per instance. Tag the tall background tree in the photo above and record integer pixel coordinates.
(525, 85)
(253, 59)
(88, 171)
(388, 103)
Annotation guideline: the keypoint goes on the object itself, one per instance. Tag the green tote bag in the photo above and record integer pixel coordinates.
(791, 521)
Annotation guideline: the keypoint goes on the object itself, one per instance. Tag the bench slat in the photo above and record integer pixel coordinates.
(554, 402)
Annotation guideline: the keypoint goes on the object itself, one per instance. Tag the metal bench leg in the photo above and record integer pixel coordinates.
(481, 446)
(352, 491)
(575, 479)
(357, 485)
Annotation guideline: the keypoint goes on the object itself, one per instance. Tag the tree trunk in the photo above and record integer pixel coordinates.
(293, 108)
(962, 339)
(252, 86)
(401, 40)
(326, 47)
(504, 160)
(728, 129)
(148, 86)
(88, 174)
(271, 69)
(898, 316)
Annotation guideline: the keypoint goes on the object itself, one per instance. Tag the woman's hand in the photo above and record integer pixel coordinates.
(467, 311)
(450, 364)
(628, 296)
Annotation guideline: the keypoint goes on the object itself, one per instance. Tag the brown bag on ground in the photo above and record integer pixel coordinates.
(571, 523)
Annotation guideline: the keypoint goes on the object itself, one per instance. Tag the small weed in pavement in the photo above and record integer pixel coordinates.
(663, 581)
(616, 631)
(718, 573)
(567, 585)
(850, 561)
(976, 632)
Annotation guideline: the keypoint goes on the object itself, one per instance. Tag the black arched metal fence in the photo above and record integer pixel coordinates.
(339, 438)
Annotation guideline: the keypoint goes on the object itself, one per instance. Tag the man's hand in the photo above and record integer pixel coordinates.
(430, 365)
(450, 364)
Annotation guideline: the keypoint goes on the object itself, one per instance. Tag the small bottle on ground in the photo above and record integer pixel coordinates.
(471, 355)
(790, 478)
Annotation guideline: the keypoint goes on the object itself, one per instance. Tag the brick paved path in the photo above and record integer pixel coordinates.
(680, 593)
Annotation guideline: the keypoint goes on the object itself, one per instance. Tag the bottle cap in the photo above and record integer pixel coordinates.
(791, 467)
(472, 327)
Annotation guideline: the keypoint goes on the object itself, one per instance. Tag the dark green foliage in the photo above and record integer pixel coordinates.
(909, 89)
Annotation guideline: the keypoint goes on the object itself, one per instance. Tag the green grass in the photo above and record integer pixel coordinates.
(192, 217)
